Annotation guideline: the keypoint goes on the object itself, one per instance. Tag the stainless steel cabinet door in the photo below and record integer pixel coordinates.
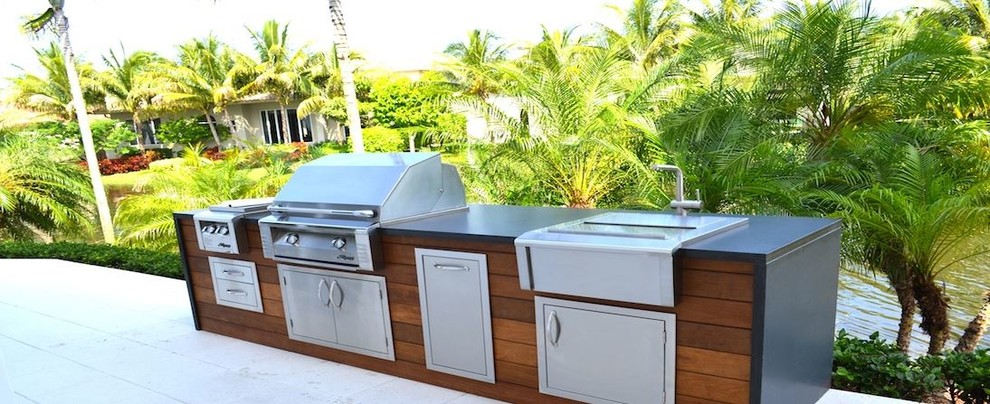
(457, 330)
(307, 307)
(599, 353)
(359, 315)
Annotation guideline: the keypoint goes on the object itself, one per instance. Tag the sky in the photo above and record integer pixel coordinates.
(395, 34)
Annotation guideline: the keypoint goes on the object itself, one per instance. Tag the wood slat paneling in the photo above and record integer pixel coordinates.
(713, 363)
(713, 337)
(238, 316)
(514, 352)
(404, 313)
(513, 309)
(718, 265)
(507, 286)
(403, 294)
(717, 285)
(715, 311)
(716, 389)
(515, 331)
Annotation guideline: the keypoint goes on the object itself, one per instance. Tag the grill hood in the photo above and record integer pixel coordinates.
(371, 187)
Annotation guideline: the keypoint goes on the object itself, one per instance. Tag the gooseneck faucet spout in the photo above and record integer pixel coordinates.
(679, 203)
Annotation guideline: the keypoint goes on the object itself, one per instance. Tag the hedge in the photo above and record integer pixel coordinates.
(129, 259)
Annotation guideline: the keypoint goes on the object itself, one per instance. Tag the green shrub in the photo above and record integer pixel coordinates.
(189, 131)
(130, 259)
(381, 139)
(966, 375)
(877, 367)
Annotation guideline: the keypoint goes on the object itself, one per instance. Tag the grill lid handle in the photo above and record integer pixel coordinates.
(310, 211)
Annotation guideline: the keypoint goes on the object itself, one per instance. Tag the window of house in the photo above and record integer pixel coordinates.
(148, 131)
(300, 130)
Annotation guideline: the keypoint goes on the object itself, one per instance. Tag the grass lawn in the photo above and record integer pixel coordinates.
(124, 183)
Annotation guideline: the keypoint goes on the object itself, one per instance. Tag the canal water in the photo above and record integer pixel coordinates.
(867, 304)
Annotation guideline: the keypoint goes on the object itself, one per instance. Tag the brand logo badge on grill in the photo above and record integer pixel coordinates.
(345, 257)
(224, 245)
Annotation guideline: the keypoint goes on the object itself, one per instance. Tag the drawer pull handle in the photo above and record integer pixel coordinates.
(333, 288)
(236, 292)
(553, 328)
(449, 267)
(319, 293)
(231, 272)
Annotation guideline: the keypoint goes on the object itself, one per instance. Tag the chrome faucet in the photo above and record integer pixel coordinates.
(679, 202)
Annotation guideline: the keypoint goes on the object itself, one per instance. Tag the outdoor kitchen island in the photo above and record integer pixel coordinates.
(754, 306)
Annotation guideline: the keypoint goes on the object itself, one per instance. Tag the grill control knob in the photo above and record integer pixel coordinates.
(223, 231)
(292, 238)
(338, 243)
(210, 229)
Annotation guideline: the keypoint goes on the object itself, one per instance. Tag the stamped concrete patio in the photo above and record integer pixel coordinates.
(75, 333)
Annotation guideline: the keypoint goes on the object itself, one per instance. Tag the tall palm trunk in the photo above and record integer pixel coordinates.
(905, 296)
(102, 204)
(971, 336)
(140, 132)
(213, 128)
(285, 124)
(346, 75)
(934, 307)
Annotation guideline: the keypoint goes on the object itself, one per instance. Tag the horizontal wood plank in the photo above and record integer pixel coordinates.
(246, 319)
(405, 313)
(412, 334)
(713, 363)
(515, 331)
(507, 286)
(514, 352)
(513, 309)
(717, 285)
(404, 294)
(712, 388)
(713, 337)
(737, 267)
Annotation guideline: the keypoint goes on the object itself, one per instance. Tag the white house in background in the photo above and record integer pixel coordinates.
(255, 120)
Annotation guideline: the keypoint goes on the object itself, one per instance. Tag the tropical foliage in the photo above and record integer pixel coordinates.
(39, 197)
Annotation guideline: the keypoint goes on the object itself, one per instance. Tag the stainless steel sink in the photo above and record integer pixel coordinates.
(622, 256)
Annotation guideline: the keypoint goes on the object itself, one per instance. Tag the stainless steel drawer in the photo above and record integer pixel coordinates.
(454, 302)
(237, 294)
(235, 284)
(233, 270)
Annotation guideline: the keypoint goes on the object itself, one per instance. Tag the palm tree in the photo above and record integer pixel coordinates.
(38, 193)
(574, 128)
(51, 94)
(911, 198)
(474, 63)
(205, 79)
(650, 31)
(343, 48)
(54, 18)
(281, 71)
(129, 85)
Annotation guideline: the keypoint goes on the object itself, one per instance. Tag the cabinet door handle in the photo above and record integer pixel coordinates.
(319, 293)
(333, 288)
(236, 292)
(553, 328)
(232, 272)
(449, 267)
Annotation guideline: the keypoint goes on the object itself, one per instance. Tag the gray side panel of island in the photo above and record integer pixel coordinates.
(794, 363)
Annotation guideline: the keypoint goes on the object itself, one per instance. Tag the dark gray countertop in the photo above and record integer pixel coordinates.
(762, 238)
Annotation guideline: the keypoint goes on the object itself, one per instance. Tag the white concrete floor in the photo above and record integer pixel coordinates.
(75, 333)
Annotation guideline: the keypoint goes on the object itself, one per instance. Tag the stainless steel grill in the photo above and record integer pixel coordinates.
(329, 212)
